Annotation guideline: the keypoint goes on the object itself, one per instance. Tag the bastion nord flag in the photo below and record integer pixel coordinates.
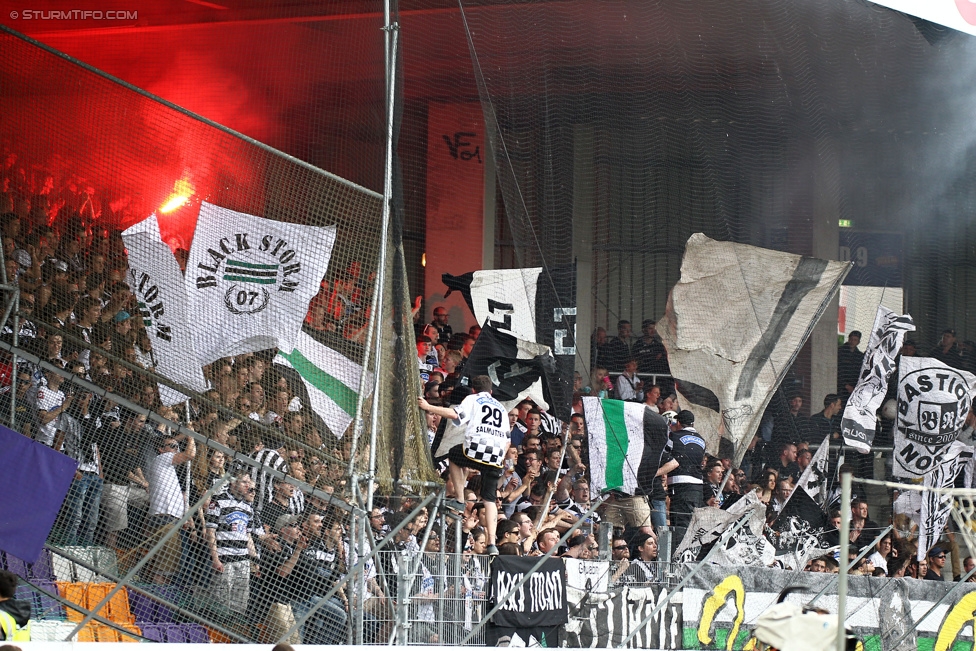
(861, 413)
(626, 440)
(156, 280)
(733, 325)
(933, 402)
(330, 378)
(532, 304)
(249, 281)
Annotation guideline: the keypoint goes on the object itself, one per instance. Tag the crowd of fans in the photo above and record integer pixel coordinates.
(263, 551)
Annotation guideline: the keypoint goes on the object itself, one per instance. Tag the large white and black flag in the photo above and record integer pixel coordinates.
(936, 505)
(157, 282)
(861, 413)
(933, 402)
(533, 304)
(249, 281)
(726, 374)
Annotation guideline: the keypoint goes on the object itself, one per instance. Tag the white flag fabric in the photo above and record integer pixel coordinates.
(734, 323)
(936, 506)
(331, 379)
(933, 402)
(616, 438)
(861, 413)
(156, 280)
(249, 280)
(707, 525)
(507, 297)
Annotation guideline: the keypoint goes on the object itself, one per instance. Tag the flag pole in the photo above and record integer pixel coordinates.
(845, 544)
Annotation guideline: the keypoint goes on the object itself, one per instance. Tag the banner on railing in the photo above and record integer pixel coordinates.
(720, 602)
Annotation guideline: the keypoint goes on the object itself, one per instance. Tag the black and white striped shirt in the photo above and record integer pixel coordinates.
(263, 480)
(234, 522)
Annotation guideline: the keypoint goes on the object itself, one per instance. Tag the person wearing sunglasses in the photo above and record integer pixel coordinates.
(937, 561)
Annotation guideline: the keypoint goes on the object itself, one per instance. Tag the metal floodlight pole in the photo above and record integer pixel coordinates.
(735, 527)
(174, 529)
(500, 600)
(845, 545)
(357, 567)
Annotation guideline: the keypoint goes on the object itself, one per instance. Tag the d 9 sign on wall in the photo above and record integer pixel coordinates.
(933, 402)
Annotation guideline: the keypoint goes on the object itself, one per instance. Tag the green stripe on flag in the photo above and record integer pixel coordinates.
(330, 386)
(617, 440)
(250, 265)
(251, 279)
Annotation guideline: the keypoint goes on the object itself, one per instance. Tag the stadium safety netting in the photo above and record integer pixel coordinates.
(203, 313)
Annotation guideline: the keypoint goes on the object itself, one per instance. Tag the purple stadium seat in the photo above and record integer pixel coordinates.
(18, 567)
(195, 634)
(154, 632)
(48, 607)
(143, 608)
(174, 633)
(146, 609)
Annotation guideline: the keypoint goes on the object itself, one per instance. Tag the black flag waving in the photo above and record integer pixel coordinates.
(517, 368)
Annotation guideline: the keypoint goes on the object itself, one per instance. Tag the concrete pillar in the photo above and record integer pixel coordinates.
(583, 208)
(826, 214)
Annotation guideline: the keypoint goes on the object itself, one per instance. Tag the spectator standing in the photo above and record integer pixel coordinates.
(618, 349)
(167, 504)
(685, 481)
(629, 386)
(485, 445)
(319, 567)
(649, 351)
(231, 525)
(440, 325)
(937, 561)
(51, 403)
(849, 360)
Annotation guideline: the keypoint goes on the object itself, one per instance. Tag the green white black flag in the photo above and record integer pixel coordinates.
(331, 379)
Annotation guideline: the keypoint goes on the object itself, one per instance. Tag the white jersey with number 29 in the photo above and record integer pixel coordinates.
(486, 428)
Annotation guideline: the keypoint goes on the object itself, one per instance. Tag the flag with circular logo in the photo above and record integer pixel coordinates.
(933, 402)
(249, 280)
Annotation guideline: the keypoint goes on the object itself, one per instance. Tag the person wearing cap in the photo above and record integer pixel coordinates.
(685, 481)
(946, 351)
(122, 323)
(937, 561)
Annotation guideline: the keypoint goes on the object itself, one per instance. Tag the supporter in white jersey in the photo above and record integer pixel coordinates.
(486, 441)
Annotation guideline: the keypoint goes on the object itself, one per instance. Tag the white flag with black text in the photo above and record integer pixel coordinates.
(933, 402)
(155, 278)
(249, 280)
(861, 413)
